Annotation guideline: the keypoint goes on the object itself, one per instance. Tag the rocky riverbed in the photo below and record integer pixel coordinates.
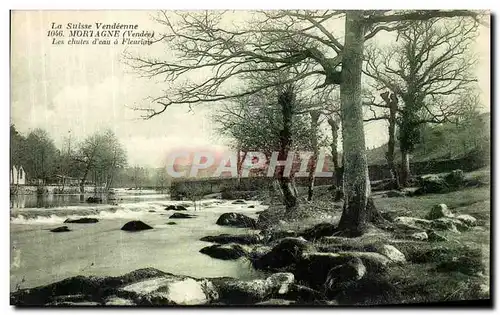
(253, 256)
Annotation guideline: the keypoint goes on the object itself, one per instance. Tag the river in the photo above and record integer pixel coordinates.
(39, 256)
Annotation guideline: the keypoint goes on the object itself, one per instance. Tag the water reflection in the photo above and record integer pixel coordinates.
(46, 201)
(61, 200)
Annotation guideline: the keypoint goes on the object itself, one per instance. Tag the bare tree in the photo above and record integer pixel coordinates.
(202, 41)
(429, 68)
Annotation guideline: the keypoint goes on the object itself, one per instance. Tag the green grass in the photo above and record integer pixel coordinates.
(456, 269)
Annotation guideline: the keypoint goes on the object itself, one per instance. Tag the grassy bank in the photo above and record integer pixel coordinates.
(454, 269)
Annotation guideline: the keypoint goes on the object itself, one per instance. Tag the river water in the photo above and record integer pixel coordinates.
(39, 256)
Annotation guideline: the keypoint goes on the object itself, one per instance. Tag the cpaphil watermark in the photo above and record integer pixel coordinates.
(245, 164)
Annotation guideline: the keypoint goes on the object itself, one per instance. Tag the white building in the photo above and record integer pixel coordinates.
(17, 175)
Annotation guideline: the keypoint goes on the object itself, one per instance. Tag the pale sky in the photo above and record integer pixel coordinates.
(80, 89)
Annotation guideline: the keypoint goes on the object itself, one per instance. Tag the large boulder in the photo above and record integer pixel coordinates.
(80, 288)
(431, 184)
(176, 207)
(274, 235)
(236, 220)
(392, 253)
(170, 290)
(134, 226)
(225, 251)
(254, 291)
(412, 223)
(61, 229)
(182, 216)
(466, 219)
(81, 220)
(318, 231)
(304, 294)
(314, 268)
(149, 286)
(439, 211)
(244, 239)
(352, 270)
(436, 237)
(287, 252)
(455, 178)
(449, 224)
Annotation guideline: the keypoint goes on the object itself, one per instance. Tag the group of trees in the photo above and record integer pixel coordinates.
(97, 159)
(282, 60)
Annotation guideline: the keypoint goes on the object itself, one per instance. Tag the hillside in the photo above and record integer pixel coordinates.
(445, 141)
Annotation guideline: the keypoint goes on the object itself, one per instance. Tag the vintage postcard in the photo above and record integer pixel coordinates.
(279, 157)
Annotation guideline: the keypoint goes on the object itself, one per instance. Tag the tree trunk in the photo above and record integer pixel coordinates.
(338, 171)
(239, 166)
(405, 167)
(286, 99)
(84, 178)
(392, 102)
(314, 144)
(356, 213)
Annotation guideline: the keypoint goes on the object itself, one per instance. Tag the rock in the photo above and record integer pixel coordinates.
(439, 211)
(94, 200)
(181, 216)
(81, 220)
(318, 231)
(251, 206)
(468, 220)
(392, 253)
(152, 211)
(274, 235)
(171, 223)
(92, 289)
(254, 291)
(455, 178)
(419, 236)
(236, 220)
(225, 252)
(146, 287)
(61, 229)
(302, 293)
(314, 268)
(118, 301)
(171, 290)
(239, 202)
(257, 252)
(431, 184)
(244, 239)
(435, 237)
(413, 223)
(133, 226)
(176, 207)
(448, 224)
(287, 252)
(352, 270)
(395, 193)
